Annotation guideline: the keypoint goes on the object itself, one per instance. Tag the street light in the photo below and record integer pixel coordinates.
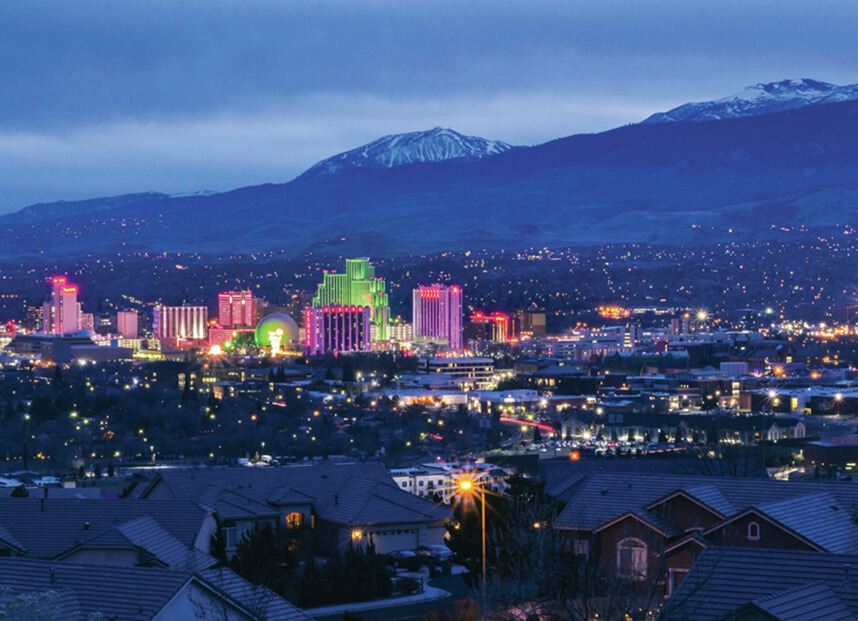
(468, 487)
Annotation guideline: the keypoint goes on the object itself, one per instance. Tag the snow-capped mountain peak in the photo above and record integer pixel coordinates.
(435, 145)
(760, 99)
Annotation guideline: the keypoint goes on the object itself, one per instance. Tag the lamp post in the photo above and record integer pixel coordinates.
(467, 487)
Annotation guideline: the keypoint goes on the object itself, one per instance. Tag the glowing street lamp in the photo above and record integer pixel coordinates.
(466, 488)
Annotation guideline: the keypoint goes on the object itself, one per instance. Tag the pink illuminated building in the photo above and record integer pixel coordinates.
(61, 314)
(437, 313)
(336, 328)
(236, 308)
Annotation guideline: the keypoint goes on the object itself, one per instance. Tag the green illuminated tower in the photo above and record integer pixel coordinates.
(357, 287)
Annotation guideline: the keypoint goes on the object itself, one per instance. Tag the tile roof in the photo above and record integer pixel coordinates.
(606, 495)
(819, 518)
(344, 493)
(724, 580)
(808, 602)
(271, 605)
(146, 533)
(65, 523)
(127, 593)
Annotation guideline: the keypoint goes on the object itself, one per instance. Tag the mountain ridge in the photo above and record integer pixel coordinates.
(758, 100)
(754, 177)
(435, 145)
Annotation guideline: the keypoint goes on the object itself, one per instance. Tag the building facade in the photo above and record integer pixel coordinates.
(61, 314)
(126, 324)
(236, 308)
(336, 329)
(358, 286)
(180, 322)
(437, 313)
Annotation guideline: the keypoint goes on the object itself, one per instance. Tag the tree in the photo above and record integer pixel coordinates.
(348, 373)
(281, 376)
(537, 435)
(260, 558)
(97, 471)
(111, 469)
(30, 606)
(81, 472)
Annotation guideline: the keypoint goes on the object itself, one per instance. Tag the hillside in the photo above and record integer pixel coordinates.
(743, 178)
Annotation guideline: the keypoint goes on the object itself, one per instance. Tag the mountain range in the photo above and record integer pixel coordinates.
(775, 161)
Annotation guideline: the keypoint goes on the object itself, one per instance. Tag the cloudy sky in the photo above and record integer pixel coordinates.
(100, 97)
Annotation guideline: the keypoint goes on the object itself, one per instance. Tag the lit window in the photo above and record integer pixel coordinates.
(754, 531)
(631, 559)
(294, 520)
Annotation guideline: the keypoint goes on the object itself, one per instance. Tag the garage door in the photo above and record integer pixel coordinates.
(395, 539)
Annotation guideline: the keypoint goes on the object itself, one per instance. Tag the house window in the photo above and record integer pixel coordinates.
(753, 531)
(230, 535)
(294, 520)
(631, 558)
(675, 578)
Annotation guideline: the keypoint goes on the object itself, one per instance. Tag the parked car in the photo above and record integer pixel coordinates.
(436, 552)
(401, 555)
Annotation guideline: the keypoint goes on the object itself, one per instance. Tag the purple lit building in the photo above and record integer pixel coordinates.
(437, 313)
(336, 328)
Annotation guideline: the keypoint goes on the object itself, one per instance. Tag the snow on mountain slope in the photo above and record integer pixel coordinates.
(760, 99)
(435, 145)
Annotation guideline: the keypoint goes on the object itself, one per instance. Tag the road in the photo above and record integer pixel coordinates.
(415, 612)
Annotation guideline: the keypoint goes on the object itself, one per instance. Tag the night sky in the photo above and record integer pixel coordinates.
(102, 98)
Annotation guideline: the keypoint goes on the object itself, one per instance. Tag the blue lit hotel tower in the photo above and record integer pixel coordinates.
(437, 313)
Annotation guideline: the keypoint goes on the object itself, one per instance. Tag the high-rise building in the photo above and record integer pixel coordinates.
(437, 313)
(236, 308)
(358, 286)
(336, 328)
(180, 322)
(529, 322)
(488, 327)
(87, 321)
(61, 314)
(126, 324)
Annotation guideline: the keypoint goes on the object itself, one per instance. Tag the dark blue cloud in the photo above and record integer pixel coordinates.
(123, 87)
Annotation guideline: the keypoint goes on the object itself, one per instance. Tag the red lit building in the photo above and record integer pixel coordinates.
(236, 308)
(61, 314)
(488, 327)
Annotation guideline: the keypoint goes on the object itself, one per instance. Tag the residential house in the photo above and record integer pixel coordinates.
(74, 592)
(108, 532)
(331, 504)
(766, 585)
(652, 527)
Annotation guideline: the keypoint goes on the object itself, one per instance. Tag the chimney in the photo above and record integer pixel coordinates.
(46, 492)
(86, 525)
(336, 499)
(43, 505)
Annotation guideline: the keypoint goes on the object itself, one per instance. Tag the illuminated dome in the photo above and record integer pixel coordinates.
(271, 325)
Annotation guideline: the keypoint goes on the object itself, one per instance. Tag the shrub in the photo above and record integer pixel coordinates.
(408, 586)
